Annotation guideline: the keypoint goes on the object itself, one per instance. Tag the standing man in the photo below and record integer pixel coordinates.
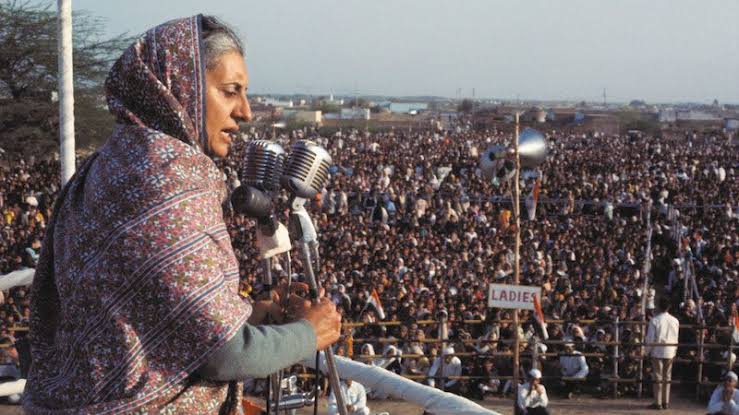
(662, 335)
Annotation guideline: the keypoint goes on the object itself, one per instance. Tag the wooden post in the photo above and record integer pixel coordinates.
(517, 264)
(443, 333)
(728, 355)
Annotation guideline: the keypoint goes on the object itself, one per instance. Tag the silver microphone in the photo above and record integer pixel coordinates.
(265, 165)
(260, 175)
(306, 170)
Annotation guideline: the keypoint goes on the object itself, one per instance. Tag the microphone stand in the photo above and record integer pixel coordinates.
(303, 231)
(268, 226)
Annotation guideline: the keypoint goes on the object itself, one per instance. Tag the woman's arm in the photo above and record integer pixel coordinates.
(257, 351)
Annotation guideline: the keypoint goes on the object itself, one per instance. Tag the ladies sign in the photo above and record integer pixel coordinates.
(512, 296)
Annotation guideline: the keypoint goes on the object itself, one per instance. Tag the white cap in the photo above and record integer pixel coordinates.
(536, 373)
(448, 350)
(731, 376)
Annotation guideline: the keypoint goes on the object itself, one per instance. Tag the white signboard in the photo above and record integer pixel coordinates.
(512, 296)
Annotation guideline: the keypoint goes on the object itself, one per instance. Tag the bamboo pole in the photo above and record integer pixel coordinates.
(517, 265)
(66, 89)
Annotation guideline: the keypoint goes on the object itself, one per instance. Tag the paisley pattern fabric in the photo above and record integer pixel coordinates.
(137, 281)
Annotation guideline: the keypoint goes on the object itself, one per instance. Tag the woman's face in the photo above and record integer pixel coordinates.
(225, 101)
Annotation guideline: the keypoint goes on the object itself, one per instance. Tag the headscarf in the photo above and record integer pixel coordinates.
(137, 281)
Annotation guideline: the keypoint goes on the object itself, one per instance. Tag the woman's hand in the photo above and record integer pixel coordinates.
(323, 317)
(326, 322)
(270, 309)
(265, 312)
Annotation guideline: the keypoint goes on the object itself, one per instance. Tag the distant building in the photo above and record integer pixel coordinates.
(312, 117)
(667, 116)
(407, 107)
(278, 103)
(732, 124)
(697, 115)
(355, 113)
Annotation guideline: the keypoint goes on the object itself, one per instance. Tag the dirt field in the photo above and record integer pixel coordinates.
(575, 407)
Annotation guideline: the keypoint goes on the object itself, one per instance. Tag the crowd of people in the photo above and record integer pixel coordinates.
(411, 231)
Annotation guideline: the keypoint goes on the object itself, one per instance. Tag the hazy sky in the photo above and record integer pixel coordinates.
(657, 50)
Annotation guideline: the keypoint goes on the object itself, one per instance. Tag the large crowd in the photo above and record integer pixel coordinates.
(408, 218)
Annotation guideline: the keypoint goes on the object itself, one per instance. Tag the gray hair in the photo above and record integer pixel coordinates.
(218, 39)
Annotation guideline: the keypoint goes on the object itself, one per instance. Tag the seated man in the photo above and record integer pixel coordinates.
(572, 365)
(355, 399)
(725, 398)
(452, 367)
(532, 396)
(489, 381)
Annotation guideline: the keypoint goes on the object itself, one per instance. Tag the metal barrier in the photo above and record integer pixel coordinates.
(618, 346)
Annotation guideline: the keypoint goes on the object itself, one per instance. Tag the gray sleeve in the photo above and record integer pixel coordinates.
(257, 351)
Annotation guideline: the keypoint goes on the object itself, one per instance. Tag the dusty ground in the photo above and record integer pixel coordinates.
(576, 406)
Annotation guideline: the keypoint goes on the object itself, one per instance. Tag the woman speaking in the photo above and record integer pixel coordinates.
(135, 306)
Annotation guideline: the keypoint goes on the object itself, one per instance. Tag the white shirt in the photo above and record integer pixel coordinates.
(662, 329)
(716, 405)
(453, 368)
(533, 400)
(354, 395)
(574, 366)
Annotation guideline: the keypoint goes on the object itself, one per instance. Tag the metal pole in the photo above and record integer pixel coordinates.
(701, 340)
(517, 264)
(442, 358)
(274, 380)
(640, 376)
(66, 89)
(333, 374)
(615, 358)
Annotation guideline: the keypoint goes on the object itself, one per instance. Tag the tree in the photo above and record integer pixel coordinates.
(28, 72)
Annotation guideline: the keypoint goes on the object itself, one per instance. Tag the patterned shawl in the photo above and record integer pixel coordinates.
(137, 281)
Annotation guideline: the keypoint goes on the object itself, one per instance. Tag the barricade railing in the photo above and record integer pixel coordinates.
(615, 355)
(701, 346)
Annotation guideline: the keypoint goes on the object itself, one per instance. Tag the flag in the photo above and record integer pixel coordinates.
(350, 345)
(374, 299)
(533, 199)
(539, 316)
